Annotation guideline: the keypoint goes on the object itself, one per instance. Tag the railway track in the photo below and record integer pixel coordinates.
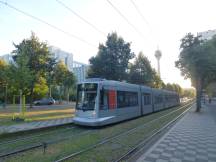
(136, 149)
(65, 134)
(32, 136)
(115, 138)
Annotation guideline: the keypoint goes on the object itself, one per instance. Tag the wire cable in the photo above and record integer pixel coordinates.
(140, 13)
(125, 18)
(80, 17)
(42, 21)
(143, 18)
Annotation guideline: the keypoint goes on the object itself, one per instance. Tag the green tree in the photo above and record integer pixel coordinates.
(189, 93)
(157, 81)
(41, 88)
(141, 72)
(3, 80)
(178, 89)
(20, 79)
(37, 56)
(3, 69)
(111, 61)
(50, 74)
(69, 83)
(197, 60)
(211, 89)
(64, 79)
(169, 87)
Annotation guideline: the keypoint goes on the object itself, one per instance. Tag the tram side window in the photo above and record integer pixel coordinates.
(104, 99)
(147, 98)
(158, 99)
(127, 99)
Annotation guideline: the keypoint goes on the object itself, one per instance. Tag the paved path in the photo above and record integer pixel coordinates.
(34, 125)
(192, 139)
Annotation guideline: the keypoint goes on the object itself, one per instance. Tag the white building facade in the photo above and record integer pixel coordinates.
(79, 69)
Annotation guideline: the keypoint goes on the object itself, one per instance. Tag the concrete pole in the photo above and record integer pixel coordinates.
(158, 62)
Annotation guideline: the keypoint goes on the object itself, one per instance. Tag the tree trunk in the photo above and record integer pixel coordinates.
(68, 96)
(31, 96)
(5, 99)
(20, 108)
(198, 94)
(50, 91)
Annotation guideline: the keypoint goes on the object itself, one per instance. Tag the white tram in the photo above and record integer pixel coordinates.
(101, 102)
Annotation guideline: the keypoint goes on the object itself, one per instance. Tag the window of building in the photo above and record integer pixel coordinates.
(127, 99)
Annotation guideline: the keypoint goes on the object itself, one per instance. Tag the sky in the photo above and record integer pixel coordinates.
(162, 25)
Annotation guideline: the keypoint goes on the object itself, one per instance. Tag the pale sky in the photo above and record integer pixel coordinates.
(166, 22)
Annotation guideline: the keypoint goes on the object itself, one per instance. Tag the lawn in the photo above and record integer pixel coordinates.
(37, 113)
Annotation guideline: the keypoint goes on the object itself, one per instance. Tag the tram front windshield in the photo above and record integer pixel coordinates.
(86, 95)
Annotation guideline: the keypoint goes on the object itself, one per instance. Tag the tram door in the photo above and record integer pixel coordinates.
(108, 101)
(147, 103)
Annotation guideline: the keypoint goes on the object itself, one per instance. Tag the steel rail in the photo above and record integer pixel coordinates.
(144, 142)
(105, 140)
(35, 136)
(43, 144)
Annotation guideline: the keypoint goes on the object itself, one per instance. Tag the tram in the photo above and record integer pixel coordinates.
(101, 102)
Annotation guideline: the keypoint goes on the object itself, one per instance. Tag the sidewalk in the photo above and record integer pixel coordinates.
(192, 139)
(34, 125)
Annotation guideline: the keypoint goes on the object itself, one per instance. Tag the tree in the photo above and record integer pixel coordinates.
(41, 88)
(169, 87)
(37, 56)
(141, 72)
(197, 60)
(111, 61)
(49, 75)
(211, 89)
(64, 79)
(20, 75)
(3, 76)
(3, 80)
(69, 83)
(189, 93)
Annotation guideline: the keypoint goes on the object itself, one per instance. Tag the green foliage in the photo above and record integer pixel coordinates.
(35, 71)
(111, 61)
(197, 60)
(3, 79)
(60, 72)
(211, 89)
(37, 59)
(41, 88)
(174, 87)
(64, 79)
(20, 76)
(3, 72)
(142, 73)
(189, 92)
(197, 57)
